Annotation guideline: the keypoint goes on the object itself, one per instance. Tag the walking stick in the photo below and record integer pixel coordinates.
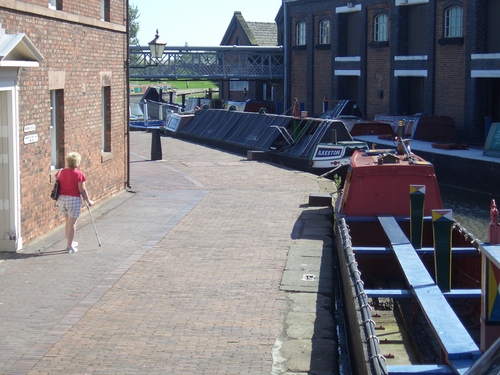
(93, 222)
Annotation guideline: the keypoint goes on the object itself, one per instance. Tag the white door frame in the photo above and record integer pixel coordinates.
(10, 201)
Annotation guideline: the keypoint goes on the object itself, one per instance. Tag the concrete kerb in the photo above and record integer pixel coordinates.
(308, 341)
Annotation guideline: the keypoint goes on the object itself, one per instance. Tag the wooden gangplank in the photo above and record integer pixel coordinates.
(456, 343)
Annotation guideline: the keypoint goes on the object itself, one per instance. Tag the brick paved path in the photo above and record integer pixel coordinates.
(186, 281)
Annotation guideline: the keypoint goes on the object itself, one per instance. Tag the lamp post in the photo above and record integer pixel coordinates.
(156, 46)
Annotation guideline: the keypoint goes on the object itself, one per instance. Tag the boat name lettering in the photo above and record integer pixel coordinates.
(328, 152)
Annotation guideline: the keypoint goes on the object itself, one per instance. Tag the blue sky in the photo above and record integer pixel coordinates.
(197, 22)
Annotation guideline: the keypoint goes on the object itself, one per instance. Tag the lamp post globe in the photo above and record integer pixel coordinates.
(156, 46)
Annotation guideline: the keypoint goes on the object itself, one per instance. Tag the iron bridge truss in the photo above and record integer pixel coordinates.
(208, 63)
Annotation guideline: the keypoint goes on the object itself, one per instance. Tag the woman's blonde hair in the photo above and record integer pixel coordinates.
(73, 160)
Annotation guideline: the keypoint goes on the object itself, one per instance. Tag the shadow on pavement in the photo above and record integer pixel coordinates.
(313, 232)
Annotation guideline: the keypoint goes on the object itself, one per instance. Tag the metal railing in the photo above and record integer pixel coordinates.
(210, 63)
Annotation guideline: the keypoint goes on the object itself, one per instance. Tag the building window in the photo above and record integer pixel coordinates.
(453, 22)
(55, 4)
(238, 85)
(57, 128)
(300, 37)
(380, 26)
(324, 32)
(106, 119)
(105, 10)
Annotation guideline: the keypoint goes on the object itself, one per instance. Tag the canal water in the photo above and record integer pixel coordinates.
(472, 210)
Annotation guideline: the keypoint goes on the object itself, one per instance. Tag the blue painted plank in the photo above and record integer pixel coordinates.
(388, 293)
(463, 293)
(452, 335)
(404, 293)
(419, 369)
(460, 367)
(424, 250)
(393, 231)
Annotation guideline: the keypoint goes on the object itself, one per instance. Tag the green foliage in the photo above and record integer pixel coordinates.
(133, 24)
(337, 180)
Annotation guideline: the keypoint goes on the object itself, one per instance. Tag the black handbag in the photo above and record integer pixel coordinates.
(55, 191)
(54, 194)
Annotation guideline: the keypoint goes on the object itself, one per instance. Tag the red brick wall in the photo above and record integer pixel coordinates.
(84, 54)
(238, 38)
(322, 66)
(298, 73)
(89, 8)
(450, 72)
(378, 75)
(298, 66)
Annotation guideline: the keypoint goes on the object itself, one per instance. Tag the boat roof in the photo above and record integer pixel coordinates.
(386, 158)
(260, 130)
(378, 183)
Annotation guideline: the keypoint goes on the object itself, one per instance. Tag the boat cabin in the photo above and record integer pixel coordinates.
(377, 183)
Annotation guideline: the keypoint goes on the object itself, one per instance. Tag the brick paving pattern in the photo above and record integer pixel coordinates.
(186, 281)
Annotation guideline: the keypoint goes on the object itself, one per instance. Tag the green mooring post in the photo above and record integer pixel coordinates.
(417, 197)
(442, 223)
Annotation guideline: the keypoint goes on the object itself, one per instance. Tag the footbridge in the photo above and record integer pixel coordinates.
(208, 63)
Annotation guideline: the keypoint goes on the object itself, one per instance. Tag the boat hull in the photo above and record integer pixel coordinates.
(381, 265)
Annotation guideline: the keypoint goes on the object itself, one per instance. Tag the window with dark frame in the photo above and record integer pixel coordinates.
(324, 32)
(57, 128)
(453, 17)
(380, 28)
(300, 36)
(106, 119)
(105, 10)
(55, 4)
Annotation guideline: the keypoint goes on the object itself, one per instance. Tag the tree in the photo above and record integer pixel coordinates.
(133, 24)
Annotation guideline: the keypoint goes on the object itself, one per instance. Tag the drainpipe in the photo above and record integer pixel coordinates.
(286, 52)
(127, 94)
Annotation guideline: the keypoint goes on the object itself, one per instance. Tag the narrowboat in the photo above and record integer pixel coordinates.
(314, 145)
(414, 284)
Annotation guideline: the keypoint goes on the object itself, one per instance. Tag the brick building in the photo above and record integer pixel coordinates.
(63, 88)
(243, 33)
(437, 57)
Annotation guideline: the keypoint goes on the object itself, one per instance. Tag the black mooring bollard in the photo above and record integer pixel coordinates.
(156, 145)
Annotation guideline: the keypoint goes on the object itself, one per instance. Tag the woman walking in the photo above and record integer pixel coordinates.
(71, 191)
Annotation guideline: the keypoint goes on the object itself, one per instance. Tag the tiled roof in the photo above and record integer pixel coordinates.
(257, 33)
(264, 33)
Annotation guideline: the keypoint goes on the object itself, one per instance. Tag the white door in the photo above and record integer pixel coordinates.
(10, 238)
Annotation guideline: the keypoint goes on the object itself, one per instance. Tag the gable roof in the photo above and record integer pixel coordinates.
(17, 50)
(265, 33)
(257, 33)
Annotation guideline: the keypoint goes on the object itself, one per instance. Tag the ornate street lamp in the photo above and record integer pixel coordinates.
(156, 46)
